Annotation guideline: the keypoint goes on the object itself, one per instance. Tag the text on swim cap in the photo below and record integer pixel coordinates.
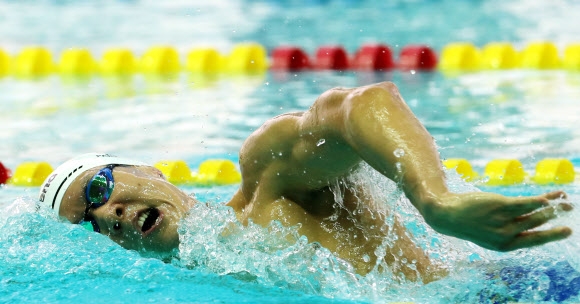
(46, 185)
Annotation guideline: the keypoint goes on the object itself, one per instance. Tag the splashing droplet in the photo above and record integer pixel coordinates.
(320, 142)
(399, 152)
(366, 258)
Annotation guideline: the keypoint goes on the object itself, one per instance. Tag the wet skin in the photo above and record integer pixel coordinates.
(287, 174)
(138, 191)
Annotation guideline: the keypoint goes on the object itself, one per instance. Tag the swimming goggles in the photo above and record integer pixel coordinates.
(97, 193)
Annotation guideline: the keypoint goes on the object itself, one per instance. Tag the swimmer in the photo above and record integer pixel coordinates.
(288, 166)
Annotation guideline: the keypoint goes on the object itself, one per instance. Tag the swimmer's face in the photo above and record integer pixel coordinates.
(142, 212)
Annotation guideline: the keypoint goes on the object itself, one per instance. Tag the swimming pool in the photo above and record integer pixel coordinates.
(519, 114)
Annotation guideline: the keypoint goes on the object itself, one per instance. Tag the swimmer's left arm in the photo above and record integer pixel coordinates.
(380, 129)
(292, 155)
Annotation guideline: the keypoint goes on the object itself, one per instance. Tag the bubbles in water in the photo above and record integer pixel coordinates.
(399, 153)
(366, 258)
(212, 239)
(399, 167)
(320, 142)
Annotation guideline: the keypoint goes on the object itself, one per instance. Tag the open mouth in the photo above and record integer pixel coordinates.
(148, 220)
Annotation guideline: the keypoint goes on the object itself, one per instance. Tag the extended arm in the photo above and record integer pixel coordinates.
(294, 154)
(385, 133)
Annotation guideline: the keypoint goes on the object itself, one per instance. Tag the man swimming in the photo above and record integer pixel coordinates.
(288, 166)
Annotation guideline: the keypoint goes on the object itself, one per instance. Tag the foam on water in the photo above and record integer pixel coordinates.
(212, 238)
(35, 245)
(218, 254)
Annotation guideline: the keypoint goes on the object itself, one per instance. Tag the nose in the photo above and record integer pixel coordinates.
(111, 218)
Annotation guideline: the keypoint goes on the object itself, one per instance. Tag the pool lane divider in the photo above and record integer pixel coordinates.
(211, 172)
(215, 172)
(30, 174)
(464, 56)
(5, 174)
(508, 172)
(4, 63)
(250, 58)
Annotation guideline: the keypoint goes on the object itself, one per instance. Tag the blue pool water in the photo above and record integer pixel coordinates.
(525, 115)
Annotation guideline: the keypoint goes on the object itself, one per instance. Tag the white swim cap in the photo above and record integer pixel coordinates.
(55, 185)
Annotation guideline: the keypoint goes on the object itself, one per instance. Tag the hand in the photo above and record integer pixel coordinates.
(498, 222)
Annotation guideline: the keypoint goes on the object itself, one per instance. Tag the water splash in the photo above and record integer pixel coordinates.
(37, 249)
(399, 153)
(213, 239)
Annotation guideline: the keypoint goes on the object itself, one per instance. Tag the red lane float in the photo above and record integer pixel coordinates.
(373, 57)
(331, 58)
(417, 57)
(4, 174)
(289, 58)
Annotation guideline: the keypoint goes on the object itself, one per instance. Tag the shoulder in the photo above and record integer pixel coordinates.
(266, 148)
(270, 137)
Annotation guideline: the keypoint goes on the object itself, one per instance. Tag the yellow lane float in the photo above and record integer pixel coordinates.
(30, 174)
(572, 57)
(160, 60)
(247, 58)
(4, 63)
(504, 172)
(118, 61)
(33, 62)
(462, 167)
(210, 172)
(554, 171)
(499, 56)
(77, 62)
(460, 56)
(205, 61)
(540, 55)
